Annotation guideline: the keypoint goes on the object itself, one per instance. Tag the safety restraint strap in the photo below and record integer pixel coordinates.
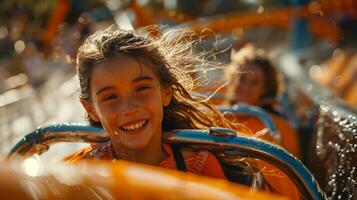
(180, 162)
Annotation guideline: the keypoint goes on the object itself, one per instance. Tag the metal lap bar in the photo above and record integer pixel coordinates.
(263, 116)
(39, 140)
(255, 148)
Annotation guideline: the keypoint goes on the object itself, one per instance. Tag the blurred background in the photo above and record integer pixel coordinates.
(312, 43)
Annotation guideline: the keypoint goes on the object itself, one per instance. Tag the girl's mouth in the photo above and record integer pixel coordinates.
(134, 126)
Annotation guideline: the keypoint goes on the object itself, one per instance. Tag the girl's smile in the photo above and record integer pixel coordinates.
(133, 127)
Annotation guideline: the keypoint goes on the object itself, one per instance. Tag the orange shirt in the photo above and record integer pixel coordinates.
(201, 162)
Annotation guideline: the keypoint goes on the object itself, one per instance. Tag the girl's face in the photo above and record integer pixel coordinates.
(128, 101)
(248, 85)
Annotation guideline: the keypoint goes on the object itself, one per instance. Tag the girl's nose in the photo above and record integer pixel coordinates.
(128, 107)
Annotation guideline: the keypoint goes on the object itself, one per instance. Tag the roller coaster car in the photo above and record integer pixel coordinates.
(225, 144)
(265, 126)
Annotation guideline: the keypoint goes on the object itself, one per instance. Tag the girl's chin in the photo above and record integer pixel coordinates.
(124, 144)
(135, 146)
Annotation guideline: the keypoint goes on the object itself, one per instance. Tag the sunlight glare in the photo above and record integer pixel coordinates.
(31, 167)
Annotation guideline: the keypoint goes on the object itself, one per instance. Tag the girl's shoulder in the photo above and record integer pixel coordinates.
(204, 162)
(197, 161)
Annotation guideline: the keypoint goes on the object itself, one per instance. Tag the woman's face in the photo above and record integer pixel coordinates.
(128, 101)
(248, 85)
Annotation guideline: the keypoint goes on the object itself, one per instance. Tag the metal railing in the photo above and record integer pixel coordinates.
(332, 154)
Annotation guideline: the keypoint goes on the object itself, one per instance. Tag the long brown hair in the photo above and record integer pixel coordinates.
(171, 56)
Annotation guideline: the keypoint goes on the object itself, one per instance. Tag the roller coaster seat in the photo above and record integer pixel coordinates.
(266, 126)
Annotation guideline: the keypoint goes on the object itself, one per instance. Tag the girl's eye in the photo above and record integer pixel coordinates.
(142, 88)
(109, 97)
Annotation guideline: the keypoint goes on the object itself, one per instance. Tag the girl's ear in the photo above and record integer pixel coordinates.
(90, 110)
(166, 95)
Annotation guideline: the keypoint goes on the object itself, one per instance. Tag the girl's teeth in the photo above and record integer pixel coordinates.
(134, 126)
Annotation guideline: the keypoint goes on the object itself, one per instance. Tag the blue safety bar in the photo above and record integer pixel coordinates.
(217, 137)
(38, 138)
(266, 151)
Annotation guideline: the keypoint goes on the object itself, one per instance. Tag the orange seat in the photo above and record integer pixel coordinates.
(289, 140)
(116, 180)
(279, 182)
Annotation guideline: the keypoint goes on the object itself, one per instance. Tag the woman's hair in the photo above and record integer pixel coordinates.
(171, 57)
(247, 54)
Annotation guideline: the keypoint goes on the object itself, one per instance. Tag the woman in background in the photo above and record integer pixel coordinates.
(255, 81)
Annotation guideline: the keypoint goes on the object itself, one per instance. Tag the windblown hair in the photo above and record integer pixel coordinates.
(171, 57)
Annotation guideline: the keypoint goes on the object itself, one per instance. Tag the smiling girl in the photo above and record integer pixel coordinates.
(136, 88)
